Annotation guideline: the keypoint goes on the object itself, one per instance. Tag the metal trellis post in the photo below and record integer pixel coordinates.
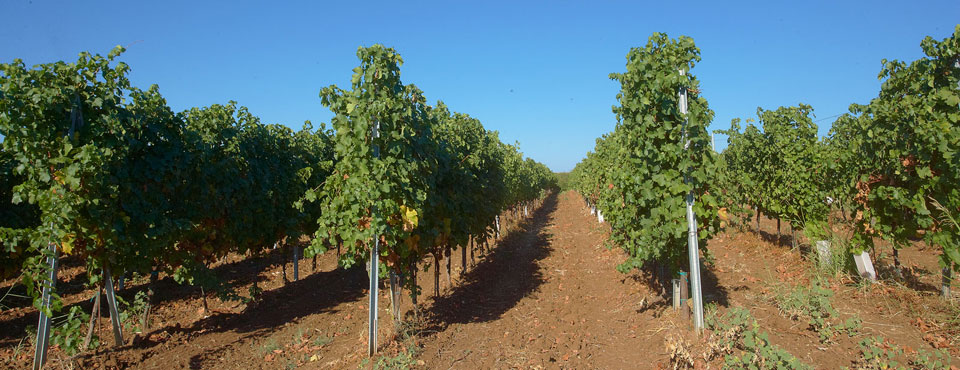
(374, 265)
(43, 327)
(692, 241)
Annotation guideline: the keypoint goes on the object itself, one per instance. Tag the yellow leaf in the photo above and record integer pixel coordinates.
(410, 219)
(67, 243)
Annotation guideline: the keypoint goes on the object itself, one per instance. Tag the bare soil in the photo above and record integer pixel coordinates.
(546, 295)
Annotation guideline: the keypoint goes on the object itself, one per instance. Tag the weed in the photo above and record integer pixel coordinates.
(269, 346)
(255, 293)
(31, 337)
(364, 363)
(69, 332)
(878, 353)
(737, 337)
(17, 352)
(813, 303)
(131, 313)
(405, 357)
(931, 360)
(299, 338)
(403, 360)
(322, 340)
(841, 261)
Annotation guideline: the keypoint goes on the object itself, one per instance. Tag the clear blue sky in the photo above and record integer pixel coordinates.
(535, 71)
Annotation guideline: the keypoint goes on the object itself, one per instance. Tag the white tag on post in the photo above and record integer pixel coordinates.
(823, 251)
(865, 266)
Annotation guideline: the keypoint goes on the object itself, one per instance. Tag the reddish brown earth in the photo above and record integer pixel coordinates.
(547, 295)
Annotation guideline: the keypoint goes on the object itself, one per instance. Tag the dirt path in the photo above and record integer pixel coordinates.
(548, 296)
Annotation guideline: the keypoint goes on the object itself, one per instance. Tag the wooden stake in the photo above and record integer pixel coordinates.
(94, 315)
(463, 257)
(436, 276)
(449, 258)
(151, 291)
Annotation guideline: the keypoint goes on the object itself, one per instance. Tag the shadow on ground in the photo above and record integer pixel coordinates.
(509, 273)
(315, 293)
(237, 273)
